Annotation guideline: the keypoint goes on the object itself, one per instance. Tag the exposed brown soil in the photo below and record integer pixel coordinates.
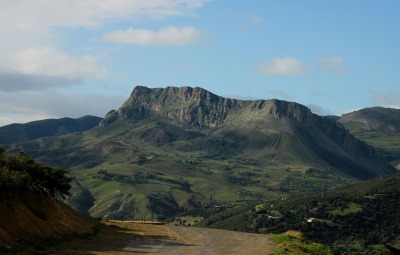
(31, 215)
(134, 238)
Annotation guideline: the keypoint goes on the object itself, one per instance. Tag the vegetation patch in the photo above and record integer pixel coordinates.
(21, 172)
(294, 242)
(346, 209)
(358, 218)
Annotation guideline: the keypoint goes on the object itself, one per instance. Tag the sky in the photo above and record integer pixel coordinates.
(70, 58)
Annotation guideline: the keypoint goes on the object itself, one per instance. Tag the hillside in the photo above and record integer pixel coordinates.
(167, 150)
(379, 127)
(28, 209)
(16, 133)
(359, 217)
(32, 221)
(26, 216)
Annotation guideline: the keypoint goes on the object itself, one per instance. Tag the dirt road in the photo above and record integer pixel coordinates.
(133, 238)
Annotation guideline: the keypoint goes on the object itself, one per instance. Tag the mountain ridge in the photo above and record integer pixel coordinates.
(15, 133)
(199, 109)
(379, 127)
(374, 119)
(169, 149)
(196, 107)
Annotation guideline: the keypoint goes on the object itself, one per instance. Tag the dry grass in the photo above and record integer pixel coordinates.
(27, 215)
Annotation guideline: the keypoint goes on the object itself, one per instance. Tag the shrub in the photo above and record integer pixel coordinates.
(21, 172)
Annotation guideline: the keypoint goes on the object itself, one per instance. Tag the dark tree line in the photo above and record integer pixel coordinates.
(21, 172)
(354, 218)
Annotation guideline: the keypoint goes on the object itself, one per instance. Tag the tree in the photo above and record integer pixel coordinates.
(20, 171)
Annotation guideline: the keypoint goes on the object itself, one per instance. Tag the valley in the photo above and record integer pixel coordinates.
(168, 150)
(199, 127)
(224, 163)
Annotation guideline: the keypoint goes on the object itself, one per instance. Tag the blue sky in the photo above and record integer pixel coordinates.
(69, 58)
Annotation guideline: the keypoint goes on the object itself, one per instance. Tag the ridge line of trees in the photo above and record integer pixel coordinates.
(20, 172)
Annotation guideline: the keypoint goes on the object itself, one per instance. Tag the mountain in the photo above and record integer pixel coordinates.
(379, 127)
(169, 149)
(358, 218)
(15, 133)
(289, 132)
(374, 119)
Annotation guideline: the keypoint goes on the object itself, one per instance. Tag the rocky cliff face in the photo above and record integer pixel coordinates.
(200, 108)
(298, 134)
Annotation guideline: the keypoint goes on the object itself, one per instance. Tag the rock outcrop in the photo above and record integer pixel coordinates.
(199, 108)
(297, 133)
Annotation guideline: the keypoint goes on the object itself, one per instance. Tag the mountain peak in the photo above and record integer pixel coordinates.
(140, 90)
(289, 124)
(197, 107)
(184, 92)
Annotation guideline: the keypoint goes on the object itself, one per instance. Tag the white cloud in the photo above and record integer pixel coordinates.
(319, 110)
(283, 66)
(391, 99)
(256, 20)
(12, 82)
(48, 61)
(335, 64)
(38, 68)
(170, 36)
(27, 41)
(44, 14)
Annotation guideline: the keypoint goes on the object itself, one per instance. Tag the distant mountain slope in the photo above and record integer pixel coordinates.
(15, 133)
(168, 149)
(372, 119)
(379, 127)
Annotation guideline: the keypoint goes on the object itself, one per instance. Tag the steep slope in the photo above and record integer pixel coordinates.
(292, 133)
(379, 127)
(28, 209)
(166, 150)
(27, 215)
(15, 133)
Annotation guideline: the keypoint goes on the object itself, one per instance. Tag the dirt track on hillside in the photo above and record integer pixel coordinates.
(134, 238)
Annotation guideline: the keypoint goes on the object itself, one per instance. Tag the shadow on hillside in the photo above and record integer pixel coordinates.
(109, 239)
(116, 239)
